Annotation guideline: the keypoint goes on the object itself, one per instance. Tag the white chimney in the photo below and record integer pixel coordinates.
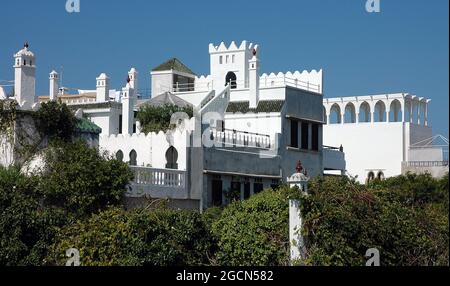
(103, 88)
(127, 109)
(253, 78)
(54, 89)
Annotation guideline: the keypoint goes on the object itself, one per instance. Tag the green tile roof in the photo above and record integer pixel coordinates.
(263, 106)
(174, 64)
(86, 126)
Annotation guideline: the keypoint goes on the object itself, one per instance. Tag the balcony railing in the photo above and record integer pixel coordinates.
(265, 82)
(234, 138)
(426, 164)
(158, 183)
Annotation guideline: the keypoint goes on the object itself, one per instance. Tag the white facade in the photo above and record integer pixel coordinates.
(248, 131)
(376, 132)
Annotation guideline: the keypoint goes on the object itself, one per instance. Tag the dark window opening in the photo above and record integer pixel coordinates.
(275, 184)
(231, 79)
(236, 190)
(134, 128)
(119, 156)
(217, 193)
(315, 137)
(246, 190)
(120, 124)
(133, 158)
(294, 134)
(305, 135)
(258, 188)
(172, 158)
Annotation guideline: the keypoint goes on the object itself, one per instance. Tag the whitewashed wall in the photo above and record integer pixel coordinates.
(151, 149)
(378, 146)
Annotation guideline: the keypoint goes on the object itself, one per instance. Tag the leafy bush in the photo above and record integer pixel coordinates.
(157, 238)
(81, 180)
(25, 229)
(343, 220)
(155, 119)
(254, 232)
(55, 121)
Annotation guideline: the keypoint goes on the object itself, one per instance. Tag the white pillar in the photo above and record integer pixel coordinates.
(54, 89)
(297, 243)
(127, 110)
(426, 114)
(253, 77)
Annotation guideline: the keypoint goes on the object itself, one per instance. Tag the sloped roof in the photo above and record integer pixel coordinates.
(165, 99)
(263, 106)
(174, 64)
(86, 126)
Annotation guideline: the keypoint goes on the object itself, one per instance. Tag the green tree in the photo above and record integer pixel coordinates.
(155, 119)
(81, 180)
(399, 217)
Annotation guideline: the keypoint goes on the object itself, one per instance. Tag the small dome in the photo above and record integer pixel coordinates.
(24, 52)
(103, 76)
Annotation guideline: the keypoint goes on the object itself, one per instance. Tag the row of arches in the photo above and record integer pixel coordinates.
(171, 157)
(413, 112)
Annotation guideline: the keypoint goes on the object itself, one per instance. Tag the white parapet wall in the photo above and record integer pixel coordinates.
(150, 149)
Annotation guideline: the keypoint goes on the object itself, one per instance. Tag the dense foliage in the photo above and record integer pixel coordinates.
(78, 181)
(81, 180)
(405, 218)
(254, 232)
(155, 119)
(55, 121)
(115, 237)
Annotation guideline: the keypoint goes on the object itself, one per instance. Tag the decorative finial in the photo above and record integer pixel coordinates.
(299, 167)
(26, 45)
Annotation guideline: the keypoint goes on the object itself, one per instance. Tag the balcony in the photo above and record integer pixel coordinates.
(158, 183)
(333, 158)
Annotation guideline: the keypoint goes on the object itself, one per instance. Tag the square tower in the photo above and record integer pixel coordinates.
(25, 77)
(231, 65)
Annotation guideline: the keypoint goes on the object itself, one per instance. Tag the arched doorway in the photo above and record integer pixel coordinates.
(370, 177)
(172, 158)
(231, 79)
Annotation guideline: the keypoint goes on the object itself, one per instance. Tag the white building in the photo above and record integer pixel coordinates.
(378, 133)
(248, 132)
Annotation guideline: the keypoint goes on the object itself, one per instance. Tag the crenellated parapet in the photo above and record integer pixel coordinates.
(307, 80)
(222, 48)
(397, 107)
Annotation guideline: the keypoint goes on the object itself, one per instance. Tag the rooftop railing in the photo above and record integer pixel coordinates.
(426, 164)
(265, 82)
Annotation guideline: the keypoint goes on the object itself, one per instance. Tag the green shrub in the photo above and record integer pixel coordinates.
(81, 180)
(254, 232)
(342, 220)
(155, 119)
(26, 229)
(115, 237)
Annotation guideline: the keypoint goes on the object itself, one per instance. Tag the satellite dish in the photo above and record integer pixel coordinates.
(2, 93)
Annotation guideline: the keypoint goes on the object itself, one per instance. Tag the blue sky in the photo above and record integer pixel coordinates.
(404, 48)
